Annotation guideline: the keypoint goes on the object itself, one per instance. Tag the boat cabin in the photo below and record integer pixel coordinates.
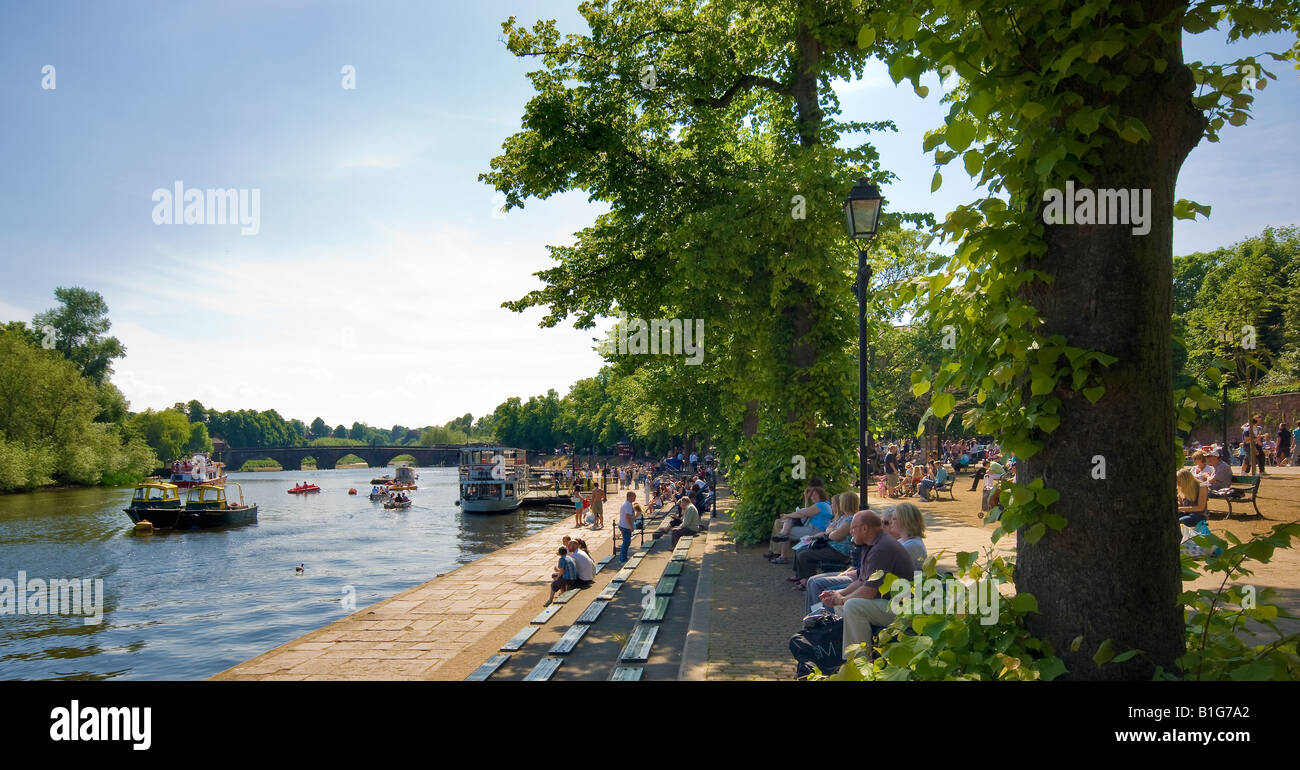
(156, 494)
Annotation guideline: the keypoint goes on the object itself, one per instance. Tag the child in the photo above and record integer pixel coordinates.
(566, 571)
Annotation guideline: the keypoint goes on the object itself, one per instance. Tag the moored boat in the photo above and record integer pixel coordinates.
(303, 489)
(492, 479)
(156, 502)
(206, 506)
(395, 504)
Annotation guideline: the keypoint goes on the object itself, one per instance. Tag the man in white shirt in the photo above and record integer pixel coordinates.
(586, 567)
(626, 520)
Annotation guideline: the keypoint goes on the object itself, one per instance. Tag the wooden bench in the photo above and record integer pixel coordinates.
(946, 486)
(1249, 487)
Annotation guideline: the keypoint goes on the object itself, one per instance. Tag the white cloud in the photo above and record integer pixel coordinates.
(408, 329)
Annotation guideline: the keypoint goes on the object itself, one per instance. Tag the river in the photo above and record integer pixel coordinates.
(186, 605)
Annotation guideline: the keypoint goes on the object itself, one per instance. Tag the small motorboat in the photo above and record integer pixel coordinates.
(401, 487)
(376, 496)
(383, 480)
(395, 504)
(303, 489)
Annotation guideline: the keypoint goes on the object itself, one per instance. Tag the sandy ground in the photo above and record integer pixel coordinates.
(1279, 502)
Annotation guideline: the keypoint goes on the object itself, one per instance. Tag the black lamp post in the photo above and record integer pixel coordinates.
(1227, 338)
(861, 218)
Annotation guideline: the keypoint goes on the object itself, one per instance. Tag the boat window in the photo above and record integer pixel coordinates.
(139, 494)
(156, 493)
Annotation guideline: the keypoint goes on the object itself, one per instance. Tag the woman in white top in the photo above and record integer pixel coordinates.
(905, 524)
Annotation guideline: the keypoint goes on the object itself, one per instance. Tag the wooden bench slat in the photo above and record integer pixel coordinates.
(489, 668)
(544, 669)
(569, 640)
(666, 586)
(545, 614)
(627, 674)
(655, 612)
(674, 568)
(622, 575)
(638, 645)
(609, 591)
(592, 612)
(520, 639)
(633, 562)
(600, 565)
(566, 596)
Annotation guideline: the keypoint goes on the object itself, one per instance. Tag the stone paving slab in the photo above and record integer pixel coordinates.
(414, 633)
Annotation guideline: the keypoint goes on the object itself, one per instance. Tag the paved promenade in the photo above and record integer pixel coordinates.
(730, 617)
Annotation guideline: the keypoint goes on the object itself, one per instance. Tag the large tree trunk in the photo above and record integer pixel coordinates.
(1113, 572)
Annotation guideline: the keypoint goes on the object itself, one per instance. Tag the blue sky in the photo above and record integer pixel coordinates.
(373, 288)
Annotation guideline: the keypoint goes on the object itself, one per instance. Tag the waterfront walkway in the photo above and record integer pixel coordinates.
(727, 614)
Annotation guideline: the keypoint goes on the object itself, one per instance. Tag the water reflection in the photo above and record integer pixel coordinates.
(185, 605)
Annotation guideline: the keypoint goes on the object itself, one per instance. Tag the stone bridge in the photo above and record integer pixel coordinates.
(327, 457)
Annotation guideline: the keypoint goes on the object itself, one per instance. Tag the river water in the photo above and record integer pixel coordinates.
(186, 605)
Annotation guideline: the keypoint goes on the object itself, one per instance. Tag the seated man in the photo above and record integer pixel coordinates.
(1220, 475)
(566, 571)
(936, 476)
(690, 520)
(864, 607)
(586, 568)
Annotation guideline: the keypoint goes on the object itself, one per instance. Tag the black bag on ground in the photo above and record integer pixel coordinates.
(819, 644)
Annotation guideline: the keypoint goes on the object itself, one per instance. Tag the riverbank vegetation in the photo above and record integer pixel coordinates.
(61, 420)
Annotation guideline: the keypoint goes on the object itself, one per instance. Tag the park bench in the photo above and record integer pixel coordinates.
(1245, 489)
(946, 486)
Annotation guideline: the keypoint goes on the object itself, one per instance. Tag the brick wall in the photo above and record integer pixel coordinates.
(1283, 407)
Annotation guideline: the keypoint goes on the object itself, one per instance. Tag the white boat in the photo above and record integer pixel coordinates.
(196, 471)
(492, 479)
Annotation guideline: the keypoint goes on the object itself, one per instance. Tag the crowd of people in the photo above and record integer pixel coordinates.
(1258, 447)
(835, 549)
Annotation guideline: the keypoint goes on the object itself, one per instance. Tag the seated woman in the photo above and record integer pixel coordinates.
(805, 521)
(839, 546)
(1193, 496)
(1199, 468)
(907, 526)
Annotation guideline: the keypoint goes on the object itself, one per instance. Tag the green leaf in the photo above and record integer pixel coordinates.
(942, 404)
(922, 91)
(866, 36)
(1104, 653)
(1042, 385)
(920, 389)
(938, 180)
(1032, 110)
(1035, 533)
(974, 161)
(1046, 496)
(1024, 603)
(910, 26)
(1094, 394)
(960, 134)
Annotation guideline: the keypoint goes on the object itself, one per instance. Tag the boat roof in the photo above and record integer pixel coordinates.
(159, 484)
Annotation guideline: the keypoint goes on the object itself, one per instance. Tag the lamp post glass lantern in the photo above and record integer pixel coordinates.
(861, 218)
(862, 210)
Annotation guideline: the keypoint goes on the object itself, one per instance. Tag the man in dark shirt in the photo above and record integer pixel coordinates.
(864, 607)
(891, 470)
